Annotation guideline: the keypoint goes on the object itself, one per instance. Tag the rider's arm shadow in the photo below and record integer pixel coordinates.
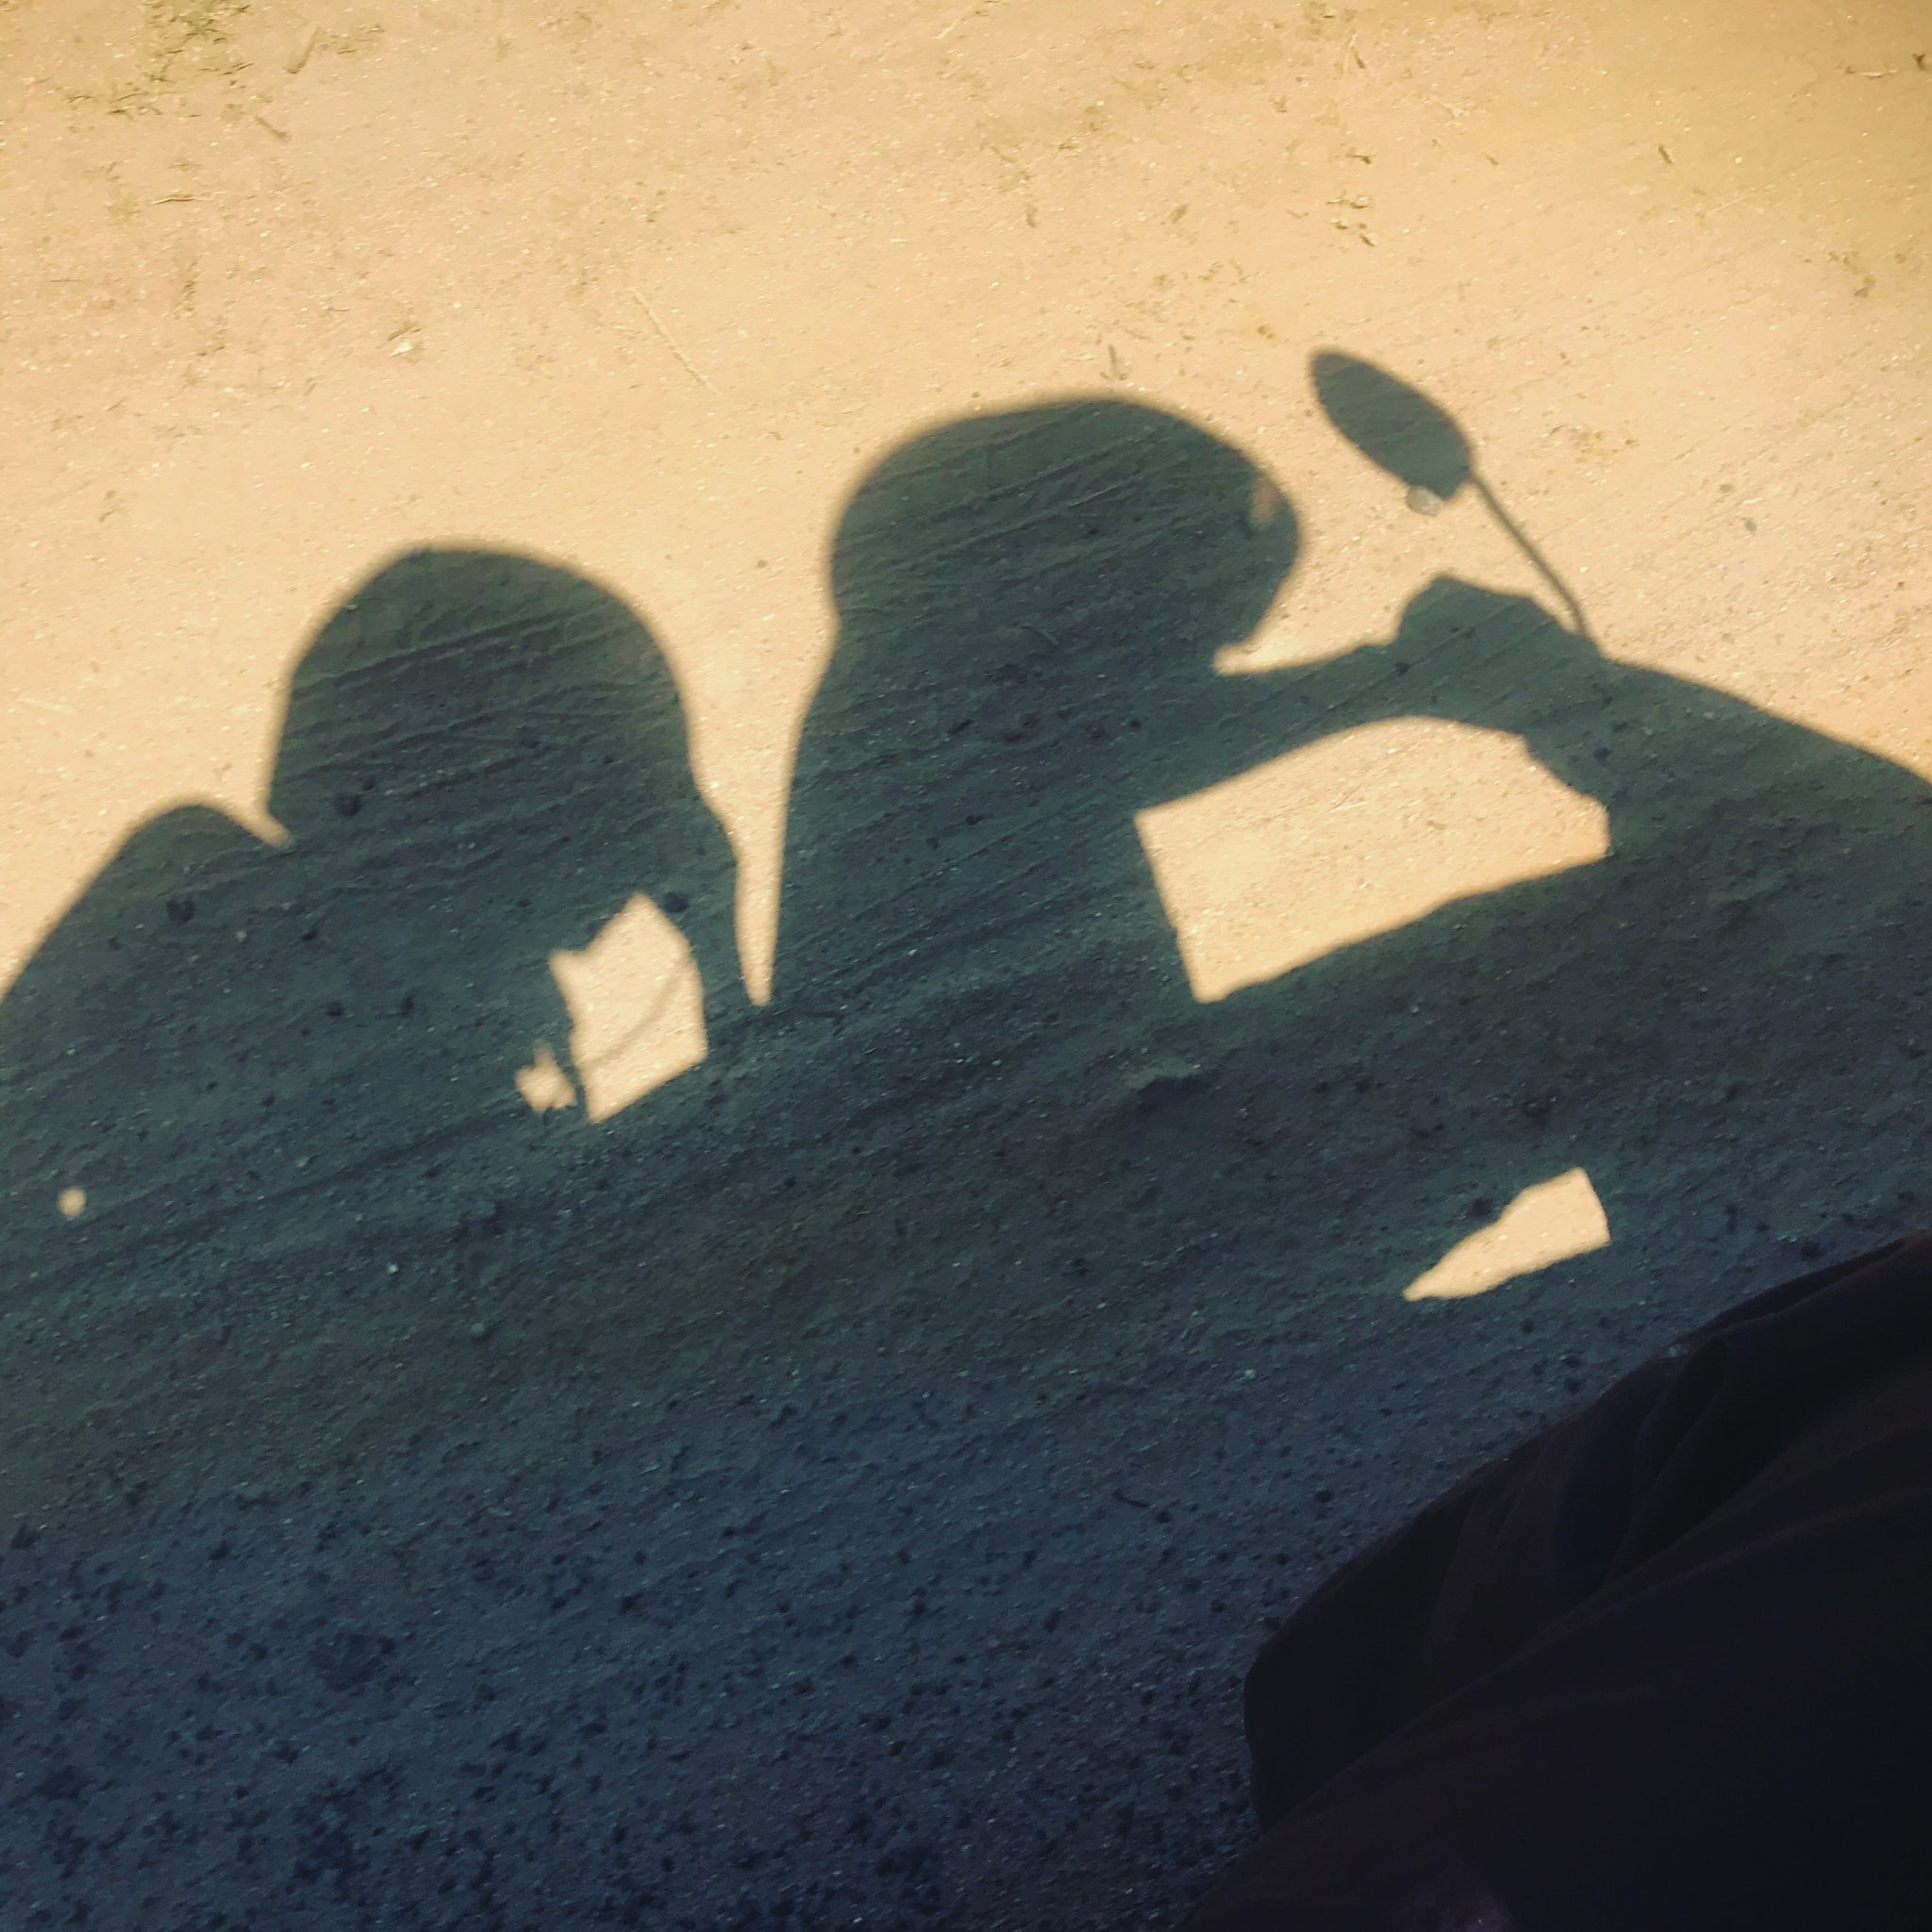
(1461, 653)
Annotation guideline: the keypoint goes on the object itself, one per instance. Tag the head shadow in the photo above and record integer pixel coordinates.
(1090, 524)
(482, 759)
(497, 704)
(1029, 605)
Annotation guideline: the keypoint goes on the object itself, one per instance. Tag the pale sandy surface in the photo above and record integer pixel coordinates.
(842, 1485)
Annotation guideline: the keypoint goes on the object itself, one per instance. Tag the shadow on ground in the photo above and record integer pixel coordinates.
(846, 1486)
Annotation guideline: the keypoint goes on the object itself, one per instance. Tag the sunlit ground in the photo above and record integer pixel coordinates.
(455, 1468)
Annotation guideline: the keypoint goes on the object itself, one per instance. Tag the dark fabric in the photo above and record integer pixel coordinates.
(1668, 1664)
